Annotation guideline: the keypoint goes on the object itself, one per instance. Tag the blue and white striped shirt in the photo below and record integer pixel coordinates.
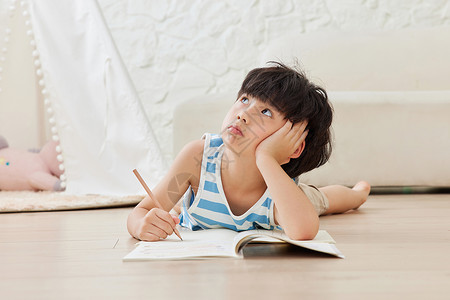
(210, 209)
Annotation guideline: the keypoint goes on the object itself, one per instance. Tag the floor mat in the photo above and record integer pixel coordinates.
(25, 201)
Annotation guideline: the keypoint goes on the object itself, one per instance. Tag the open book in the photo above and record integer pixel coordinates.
(223, 243)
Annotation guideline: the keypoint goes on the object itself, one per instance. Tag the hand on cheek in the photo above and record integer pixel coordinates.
(285, 143)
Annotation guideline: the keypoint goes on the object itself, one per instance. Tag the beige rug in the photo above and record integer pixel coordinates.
(51, 201)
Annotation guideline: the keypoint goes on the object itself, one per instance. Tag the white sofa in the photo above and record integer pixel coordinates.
(391, 96)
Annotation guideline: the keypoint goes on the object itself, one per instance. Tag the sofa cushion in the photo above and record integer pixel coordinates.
(396, 138)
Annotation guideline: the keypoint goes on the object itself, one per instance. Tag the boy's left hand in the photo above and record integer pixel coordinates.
(284, 143)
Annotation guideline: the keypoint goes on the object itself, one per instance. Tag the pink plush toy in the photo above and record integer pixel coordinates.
(22, 170)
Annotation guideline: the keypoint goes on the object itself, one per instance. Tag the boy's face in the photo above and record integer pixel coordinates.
(248, 122)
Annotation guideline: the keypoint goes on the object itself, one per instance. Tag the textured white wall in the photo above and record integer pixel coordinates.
(176, 49)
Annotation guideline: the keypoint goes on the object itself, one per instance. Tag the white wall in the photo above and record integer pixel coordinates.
(176, 49)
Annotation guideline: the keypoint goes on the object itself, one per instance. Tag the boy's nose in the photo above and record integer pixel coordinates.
(241, 116)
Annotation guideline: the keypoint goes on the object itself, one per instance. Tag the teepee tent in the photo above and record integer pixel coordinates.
(75, 74)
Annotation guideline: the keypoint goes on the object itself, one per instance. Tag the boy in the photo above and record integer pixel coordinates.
(278, 128)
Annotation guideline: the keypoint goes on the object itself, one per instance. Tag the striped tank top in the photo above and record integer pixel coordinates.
(209, 207)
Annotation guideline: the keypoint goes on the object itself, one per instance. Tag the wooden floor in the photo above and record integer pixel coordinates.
(396, 247)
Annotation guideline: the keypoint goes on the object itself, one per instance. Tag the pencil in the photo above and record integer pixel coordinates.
(150, 194)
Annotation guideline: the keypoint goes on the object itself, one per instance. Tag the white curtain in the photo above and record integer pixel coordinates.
(101, 124)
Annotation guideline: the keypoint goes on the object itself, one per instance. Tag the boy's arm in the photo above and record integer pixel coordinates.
(293, 210)
(150, 223)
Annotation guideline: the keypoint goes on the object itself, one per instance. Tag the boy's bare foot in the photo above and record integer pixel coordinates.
(363, 188)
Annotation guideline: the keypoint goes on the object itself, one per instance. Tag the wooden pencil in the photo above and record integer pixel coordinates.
(150, 194)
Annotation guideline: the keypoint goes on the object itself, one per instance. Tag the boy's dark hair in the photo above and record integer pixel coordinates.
(298, 99)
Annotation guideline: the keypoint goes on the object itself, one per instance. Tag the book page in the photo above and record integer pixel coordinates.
(274, 236)
(195, 244)
(324, 248)
(222, 243)
(323, 242)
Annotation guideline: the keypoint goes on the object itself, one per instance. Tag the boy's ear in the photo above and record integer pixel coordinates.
(299, 151)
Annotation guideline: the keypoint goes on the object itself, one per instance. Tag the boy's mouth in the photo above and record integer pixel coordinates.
(233, 129)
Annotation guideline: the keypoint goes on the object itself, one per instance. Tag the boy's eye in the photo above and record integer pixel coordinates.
(267, 112)
(244, 100)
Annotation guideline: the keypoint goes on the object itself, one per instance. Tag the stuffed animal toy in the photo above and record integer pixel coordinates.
(22, 170)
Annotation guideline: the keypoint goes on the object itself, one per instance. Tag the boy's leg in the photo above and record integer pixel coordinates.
(342, 199)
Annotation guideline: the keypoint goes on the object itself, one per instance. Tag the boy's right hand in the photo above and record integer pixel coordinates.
(155, 225)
